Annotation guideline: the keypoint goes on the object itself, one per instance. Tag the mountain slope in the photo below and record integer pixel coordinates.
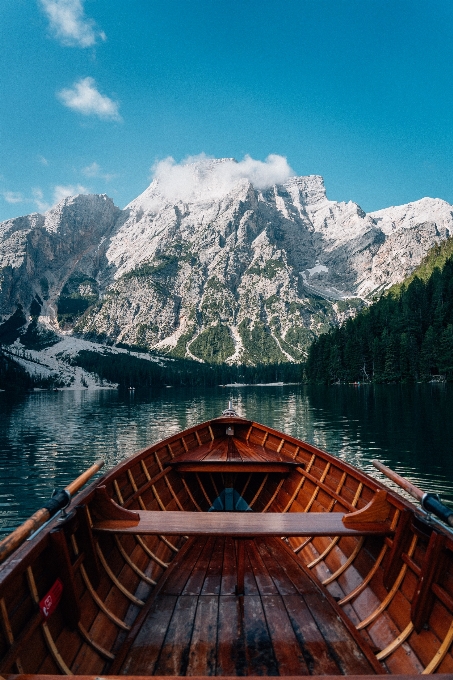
(405, 336)
(211, 267)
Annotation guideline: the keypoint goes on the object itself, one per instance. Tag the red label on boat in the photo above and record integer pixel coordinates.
(49, 602)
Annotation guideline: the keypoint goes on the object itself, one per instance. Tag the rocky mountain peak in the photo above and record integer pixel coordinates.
(216, 260)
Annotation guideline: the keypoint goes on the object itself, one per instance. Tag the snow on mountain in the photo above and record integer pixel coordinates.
(215, 260)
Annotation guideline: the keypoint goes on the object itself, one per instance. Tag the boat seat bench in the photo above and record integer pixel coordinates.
(239, 524)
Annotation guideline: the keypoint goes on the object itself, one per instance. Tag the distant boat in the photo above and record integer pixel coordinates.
(131, 389)
(229, 549)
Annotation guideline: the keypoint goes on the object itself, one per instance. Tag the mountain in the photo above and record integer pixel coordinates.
(406, 336)
(209, 265)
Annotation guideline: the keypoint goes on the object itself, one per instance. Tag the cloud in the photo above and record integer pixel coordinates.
(199, 178)
(43, 160)
(95, 170)
(38, 199)
(60, 192)
(69, 24)
(13, 196)
(85, 98)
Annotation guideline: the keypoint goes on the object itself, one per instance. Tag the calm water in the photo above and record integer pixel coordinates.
(48, 439)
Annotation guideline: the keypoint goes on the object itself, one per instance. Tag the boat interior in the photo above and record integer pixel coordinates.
(136, 596)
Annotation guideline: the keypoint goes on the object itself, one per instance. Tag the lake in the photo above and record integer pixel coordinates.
(48, 438)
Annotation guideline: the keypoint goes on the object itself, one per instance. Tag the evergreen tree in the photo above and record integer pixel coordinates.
(407, 335)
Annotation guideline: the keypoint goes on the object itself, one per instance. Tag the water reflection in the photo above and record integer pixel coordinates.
(47, 439)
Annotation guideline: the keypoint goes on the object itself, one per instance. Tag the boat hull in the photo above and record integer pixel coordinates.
(327, 573)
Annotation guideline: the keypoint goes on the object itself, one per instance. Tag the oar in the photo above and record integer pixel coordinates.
(59, 500)
(429, 501)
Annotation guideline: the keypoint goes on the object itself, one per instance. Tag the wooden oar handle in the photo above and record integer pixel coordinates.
(430, 502)
(77, 484)
(19, 535)
(405, 484)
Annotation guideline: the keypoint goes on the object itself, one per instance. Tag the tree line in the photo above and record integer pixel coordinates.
(131, 371)
(406, 336)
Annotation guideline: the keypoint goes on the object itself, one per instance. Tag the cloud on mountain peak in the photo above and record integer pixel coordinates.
(201, 177)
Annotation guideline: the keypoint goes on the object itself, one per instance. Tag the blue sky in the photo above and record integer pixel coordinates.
(95, 92)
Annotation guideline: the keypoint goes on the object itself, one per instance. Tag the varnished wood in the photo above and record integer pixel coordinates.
(295, 493)
(200, 484)
(397, 642)
(344, 566)
(99, 602)
(260, 488)
(45, 628)
(239, 524)
(169, 485)
(267, 614)
(274, 496)
(316, 491)
(334, 542)
(303, 545)
(8, 633)
(19, 535)
(405, 484)
(12, 656)
(391, 594)
(132, 564)
(401, 541)
(150, 553)
(70, 600)
(377, 510)
(25, 676)
(205, 628)
(433, 565)
(346, 504)
(214, 485)
(105, 507)
(95, 645)
(225, 466)
(441, 652)
(324, 553)
(116, 582)
(110, 615)
(189, 493)
(361, 587)
(158, 498)
(232, 452)
(240, 557)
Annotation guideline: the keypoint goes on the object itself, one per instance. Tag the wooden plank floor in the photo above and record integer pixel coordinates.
(281, 626)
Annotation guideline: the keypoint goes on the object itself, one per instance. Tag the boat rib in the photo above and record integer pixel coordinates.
(211, 597)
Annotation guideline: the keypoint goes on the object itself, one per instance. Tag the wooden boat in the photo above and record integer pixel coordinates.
(231, 549)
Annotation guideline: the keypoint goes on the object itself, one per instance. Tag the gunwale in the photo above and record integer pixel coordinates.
(318, 482)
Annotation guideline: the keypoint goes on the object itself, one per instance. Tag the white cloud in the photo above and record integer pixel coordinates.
(43, 160)
(201, 178)
(69, 24)
(13, 196)
(38, 199)
(60, 192)
(85, 98)
(95, 170)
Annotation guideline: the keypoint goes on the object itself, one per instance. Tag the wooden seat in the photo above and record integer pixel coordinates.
(237, 524)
